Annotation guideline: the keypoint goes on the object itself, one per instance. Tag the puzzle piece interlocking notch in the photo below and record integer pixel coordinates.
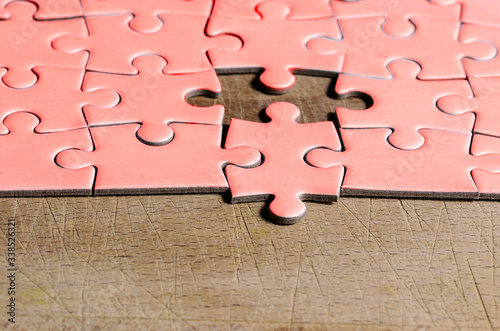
(57, 99)
(60, 9)
(181, 41)
(368, 50)
(27, 43)
(30, 168)
(147, 14)
(154, 99)
(397, 13)
(282, 57)
(191, 163)
(284, 174)
(440, 168)
(403, 104)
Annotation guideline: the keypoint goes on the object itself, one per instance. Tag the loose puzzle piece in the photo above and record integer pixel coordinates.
(57, 99)
(488, 183)
(485, 104)
(27, 165)
(191, 162)
(26, 43)
(471, 33)
(435, 46)
(299, 9)
(154, 99)
(55, 9)
(398, 13)
(284, 174)
(276, 44)
(113, 45)
(440, 168)
(485, 12)
(404, 104)
(146, 14)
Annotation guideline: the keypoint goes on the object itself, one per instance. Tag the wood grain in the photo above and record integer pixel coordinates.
(196, 262)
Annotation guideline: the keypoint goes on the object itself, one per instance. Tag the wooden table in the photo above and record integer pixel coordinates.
(196, 262)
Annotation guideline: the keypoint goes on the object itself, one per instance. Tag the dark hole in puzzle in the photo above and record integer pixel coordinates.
(315, 96)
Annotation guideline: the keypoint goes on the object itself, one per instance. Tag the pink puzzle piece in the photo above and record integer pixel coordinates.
(27, 165)
(435, 46)
(299, 9)
(192, 162)
(404, 104)
(57, 99)
(485, 104)
(276, 44)
(398, 13)
(284, 174)
(488, 183)
(113, 45)
(484, 12)
(146, 13)
(154, 99)
(472, 33)
(440, 168)
(48, 9)
(27, 43)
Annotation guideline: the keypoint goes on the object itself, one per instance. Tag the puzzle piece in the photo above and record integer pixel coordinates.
(471, 33)
(404, 104)
(284, 174)
(113, 45)
(276, 44)
(57, 99)
(299, 9)
(192, 162)
(435, 46)
(485, 12)
(26, 43)
(485, 104)
(440, 168)
(48, 9)
(27, 165)
(488, 183)
(146, 14)
(154, 99)
(398, 13)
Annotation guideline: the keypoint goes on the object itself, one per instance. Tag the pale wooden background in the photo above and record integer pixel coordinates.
(195, 262)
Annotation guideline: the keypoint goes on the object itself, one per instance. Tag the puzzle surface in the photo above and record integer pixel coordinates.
(94, 99)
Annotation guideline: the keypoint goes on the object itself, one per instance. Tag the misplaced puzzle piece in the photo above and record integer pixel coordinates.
(284, 174)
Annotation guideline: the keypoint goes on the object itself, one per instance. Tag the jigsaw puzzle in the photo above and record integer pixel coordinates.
(284, 175)
(94, 99)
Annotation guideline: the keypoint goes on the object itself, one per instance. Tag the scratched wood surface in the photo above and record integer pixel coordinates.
(196, 262)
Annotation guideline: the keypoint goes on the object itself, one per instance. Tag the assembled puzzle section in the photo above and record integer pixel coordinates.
(95, 99)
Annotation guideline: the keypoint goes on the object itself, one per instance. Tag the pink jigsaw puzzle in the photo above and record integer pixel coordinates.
(95, 99)
(284, 175)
